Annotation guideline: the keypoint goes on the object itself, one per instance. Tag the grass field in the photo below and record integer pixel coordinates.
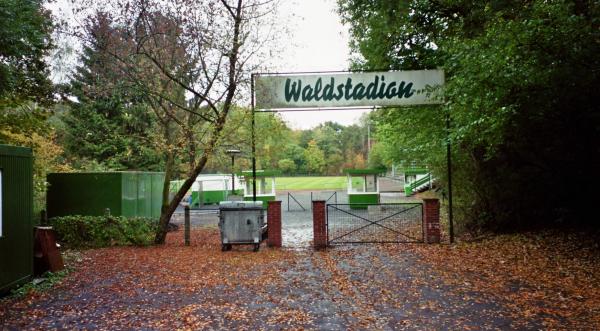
(302, 183)
(312, 183)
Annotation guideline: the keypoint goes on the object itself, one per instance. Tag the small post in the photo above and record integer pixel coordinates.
(319, 225)
(186, 232)
(431, 221)
(46, 255)
(107, 212)
(274, 223)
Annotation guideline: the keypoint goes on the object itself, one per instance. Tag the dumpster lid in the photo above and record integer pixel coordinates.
(240, 204)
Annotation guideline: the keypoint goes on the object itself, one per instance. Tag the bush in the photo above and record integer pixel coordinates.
(102, 231)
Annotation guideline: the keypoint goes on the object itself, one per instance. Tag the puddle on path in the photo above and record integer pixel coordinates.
(297, 229)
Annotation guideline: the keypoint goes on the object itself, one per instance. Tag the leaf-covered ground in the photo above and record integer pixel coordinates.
(503, 283)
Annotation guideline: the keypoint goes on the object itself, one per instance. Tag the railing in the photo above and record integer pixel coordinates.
(333, 195)
(409, 189)
(289, 195)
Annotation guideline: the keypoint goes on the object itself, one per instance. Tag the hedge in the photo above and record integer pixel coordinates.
(100, 231)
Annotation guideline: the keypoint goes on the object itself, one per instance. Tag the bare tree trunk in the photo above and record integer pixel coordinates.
(169, 165)
(169, 209)
(218, 125)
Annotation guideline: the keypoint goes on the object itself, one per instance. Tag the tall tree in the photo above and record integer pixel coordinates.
(190, 59)
(109, 122)
(520, 82)
(315, 158)
(25, 29)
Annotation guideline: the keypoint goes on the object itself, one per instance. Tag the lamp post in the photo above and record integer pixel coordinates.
(233, 153)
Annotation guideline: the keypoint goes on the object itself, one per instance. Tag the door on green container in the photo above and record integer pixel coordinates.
(129, 204)
(157, 187)
(144, 195)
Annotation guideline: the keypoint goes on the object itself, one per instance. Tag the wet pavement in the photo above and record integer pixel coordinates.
(364, 287)
(346, 287)
(296, 215)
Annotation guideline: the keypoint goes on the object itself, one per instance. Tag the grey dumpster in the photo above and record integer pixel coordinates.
(241, 222)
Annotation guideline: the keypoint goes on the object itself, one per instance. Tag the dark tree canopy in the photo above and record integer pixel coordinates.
(24, 41)
(521, 82)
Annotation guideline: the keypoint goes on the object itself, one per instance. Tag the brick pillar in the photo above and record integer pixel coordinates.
(274, 223)
(431, 221)
(319, 226)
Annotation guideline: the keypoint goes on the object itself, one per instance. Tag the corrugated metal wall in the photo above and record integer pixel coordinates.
(125, 193)
(83, 193)
(16, 242)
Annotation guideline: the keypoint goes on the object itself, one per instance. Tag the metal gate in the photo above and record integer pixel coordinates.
(374, 223)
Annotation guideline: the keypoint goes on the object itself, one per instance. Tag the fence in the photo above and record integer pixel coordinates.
(374, 223)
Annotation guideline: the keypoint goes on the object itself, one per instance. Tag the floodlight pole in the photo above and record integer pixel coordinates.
(232, 174)
(253, 139)
(233, 152)
(449, 165)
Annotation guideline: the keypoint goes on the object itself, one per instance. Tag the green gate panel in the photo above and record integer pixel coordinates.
(16, 240)
(356, 199)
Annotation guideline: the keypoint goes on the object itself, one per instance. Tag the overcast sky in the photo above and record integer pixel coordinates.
(318, 42)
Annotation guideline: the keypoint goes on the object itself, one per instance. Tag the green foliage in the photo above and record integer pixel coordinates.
(110, 125)
(315, 158)
(277, 145)
(521, 80)
(287, 166)
(102, 231)
(47, 157)
(51, 279)
(24, 42)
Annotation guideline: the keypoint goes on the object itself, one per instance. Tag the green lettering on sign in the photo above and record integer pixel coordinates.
(371, 89)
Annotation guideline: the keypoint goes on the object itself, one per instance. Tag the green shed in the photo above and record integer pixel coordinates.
(363, 187)
(16, 209)
(129, 193)
(265, 185)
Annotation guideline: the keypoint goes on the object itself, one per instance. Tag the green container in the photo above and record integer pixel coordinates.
(407, 190)
(16, 239)
(208, 197)
(129, 194)
(359, 200)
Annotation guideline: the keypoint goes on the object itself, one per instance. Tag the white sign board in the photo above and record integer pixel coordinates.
(361, 89)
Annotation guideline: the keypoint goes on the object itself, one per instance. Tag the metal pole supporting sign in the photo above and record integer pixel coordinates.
(253, 139)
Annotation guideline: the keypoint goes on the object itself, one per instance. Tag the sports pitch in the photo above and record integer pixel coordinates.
(311, 183)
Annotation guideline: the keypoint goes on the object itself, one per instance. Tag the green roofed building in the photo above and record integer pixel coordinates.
(129, 194)
(363, 187)
(16, 216)
(265, 185)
